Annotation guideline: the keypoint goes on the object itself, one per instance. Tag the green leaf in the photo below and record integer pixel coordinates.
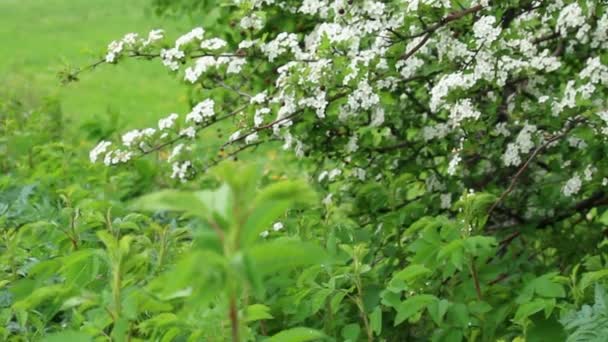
(299, 334)
(458, 313)
(437, 310)
(528, 309)
(590, 278)
(284, 254)
(68, 336)
(350, 332)
(318, 299)
(412, 272)
(261, 218)
(412, 306)
(171, 200)
(200, 203)
(545, 329)
(375, 320)
(257, 312)
(453, 251)
(291, 191)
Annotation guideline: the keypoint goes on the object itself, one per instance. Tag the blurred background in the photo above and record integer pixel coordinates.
(42, 37)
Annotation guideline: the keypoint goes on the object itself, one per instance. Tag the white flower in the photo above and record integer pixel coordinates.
(252, 22)
(571, 16)
(277, 226)
(463, 109)
(588, 172)
(236, 65)
(264, 234)
(130, 137)
(153, 36)
(246, 44)
(175, 152)
(180, 170)
(167, 122)
(234, 136)
(259, 98)
(189, 132)
(202, 110)
(484, 30)
(327, 200)
(101, 148)
(171, 57)
(333, 174)
(572, 186)
(352, 145)
(377, 116)
(446, 200)
(202, 64)
(114, 50)
(363, 97)
(454, 164)
(196, 33)
(251, 138)
(213, 44)
(360, 173)
(258, 117)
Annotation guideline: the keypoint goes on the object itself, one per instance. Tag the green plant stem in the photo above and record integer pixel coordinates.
(360, 306)
(475, 279)
(234, 319)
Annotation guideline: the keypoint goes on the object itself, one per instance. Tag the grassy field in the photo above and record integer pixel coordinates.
(40, 37)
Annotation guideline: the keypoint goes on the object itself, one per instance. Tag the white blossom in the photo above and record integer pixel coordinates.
(100, 149)
(572, 186)
(168, 122)
(277, 226)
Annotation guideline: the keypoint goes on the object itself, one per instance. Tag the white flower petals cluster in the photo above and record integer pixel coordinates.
(131, 41)
(252, 22)
(277, 226)
(485, 31)
(572, 186)
(318, 102)
(595, 72)
(463, 109)
(171, 57)
(132, 137)
(180, 170)
(213, 44)
(195, 35)
(100, 149)
(363, 98)
(523, 144)
(453, 164)
(572, 17)
(284, 42)
(348, 70)
(117, 156)
(201, 111)
(168, 122)
(330, 175)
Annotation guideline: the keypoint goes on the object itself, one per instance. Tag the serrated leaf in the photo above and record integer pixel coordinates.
(297, 335)
(412, 306)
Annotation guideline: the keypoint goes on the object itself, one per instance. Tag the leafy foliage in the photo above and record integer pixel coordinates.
(590, 323)
(447, 186)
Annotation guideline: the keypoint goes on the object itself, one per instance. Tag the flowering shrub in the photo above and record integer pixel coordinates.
(459, 146)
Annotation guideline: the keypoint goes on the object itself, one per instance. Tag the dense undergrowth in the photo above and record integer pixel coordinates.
(433, 198)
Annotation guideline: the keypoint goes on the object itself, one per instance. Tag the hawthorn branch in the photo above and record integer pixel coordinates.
(428, 32)
(523, 168)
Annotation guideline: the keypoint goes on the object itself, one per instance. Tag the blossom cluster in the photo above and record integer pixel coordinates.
(370, 88)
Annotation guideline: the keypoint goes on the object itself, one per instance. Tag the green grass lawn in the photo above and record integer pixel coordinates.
(39, 37)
